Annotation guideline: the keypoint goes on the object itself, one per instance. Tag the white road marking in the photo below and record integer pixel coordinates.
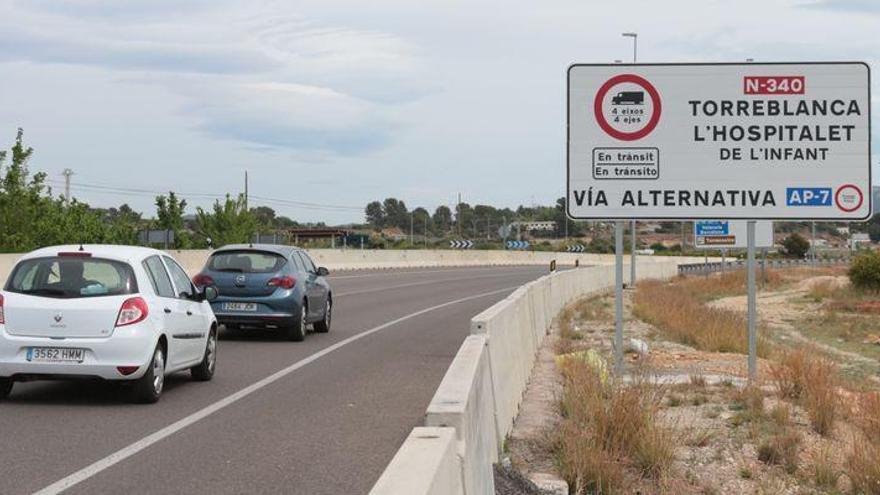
(132, 449)
(419, 272)
(425, 282)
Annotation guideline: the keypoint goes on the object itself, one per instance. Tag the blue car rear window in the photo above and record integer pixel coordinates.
(246, 262)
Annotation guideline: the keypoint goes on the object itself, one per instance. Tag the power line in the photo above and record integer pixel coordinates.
(108, 189)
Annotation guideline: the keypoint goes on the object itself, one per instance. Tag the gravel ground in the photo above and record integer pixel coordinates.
(509, 481)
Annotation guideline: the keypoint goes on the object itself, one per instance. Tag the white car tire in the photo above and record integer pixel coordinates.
(148, 388)
(5, 387)
(204, 371)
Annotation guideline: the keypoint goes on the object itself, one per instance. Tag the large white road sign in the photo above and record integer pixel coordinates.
(788, 141)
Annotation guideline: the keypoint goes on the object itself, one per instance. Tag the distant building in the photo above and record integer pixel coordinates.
(858, 238)
(394, 233)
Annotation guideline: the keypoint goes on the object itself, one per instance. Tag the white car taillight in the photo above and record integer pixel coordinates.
(132, 311)
(2, 314)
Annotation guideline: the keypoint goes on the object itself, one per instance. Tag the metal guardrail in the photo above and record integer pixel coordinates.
(717, 266)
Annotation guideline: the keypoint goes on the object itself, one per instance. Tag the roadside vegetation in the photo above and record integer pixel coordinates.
(32, 215)
(679, 310)
(609, 428)
(806, 427)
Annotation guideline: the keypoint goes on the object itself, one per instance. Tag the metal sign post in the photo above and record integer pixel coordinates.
(752, 306)
(618, 298)
(813, 245)
(763, 268)
(632, 260)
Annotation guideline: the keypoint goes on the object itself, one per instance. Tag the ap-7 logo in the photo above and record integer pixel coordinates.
(808, 196)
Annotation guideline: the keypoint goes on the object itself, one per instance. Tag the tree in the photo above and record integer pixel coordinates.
(442, 219)
(284, 222)
(463, 216)
(795, 245)
(123, 225)
(873, 228)
(230, 222)
(75, 223)
(421, 219)
(169, 211)
(560, 216)
(20, 198)
(375, 215)
(30, 217)
(396, 213)
(264, 215)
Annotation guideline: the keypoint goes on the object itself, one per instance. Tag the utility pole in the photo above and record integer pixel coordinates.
(67, 173)
(246, 190)
(411, 218)
(813, 244)
(458, 214)
(566, 226)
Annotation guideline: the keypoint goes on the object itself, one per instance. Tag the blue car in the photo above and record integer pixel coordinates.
(268, 286)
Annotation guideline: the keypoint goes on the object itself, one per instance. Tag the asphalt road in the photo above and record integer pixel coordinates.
(323, 416)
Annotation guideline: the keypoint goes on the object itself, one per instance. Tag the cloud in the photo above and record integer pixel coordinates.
(118, 10)
(287, 115)
(856, 6)
(128, 55)
(256, 74)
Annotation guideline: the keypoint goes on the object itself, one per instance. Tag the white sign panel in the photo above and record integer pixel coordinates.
(708, 141)
(731, 234)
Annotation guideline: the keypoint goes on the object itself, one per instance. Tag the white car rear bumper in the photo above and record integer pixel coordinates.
(128, 346)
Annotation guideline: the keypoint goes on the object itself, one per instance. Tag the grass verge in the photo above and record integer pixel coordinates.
(677, 309)
(609, 428)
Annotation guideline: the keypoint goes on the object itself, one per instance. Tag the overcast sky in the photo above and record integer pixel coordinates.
(338, 103)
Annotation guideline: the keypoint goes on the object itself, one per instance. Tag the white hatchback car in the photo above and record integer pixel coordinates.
(110, 312)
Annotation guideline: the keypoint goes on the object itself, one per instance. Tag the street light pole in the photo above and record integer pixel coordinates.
(632, 260)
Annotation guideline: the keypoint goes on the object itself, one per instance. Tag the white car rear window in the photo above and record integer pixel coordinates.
(72, 277)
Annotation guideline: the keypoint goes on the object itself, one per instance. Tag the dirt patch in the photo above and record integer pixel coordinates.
(807, 313)
(528, 444)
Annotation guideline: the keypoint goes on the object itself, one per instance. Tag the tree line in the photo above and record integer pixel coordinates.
(477, 221)
(31, 215)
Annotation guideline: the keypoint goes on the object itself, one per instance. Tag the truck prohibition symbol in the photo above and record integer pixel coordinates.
(629, 98)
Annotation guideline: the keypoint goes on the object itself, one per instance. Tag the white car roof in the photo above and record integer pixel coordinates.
(109, 251)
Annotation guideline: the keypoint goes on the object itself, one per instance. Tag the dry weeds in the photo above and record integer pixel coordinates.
(608, 427)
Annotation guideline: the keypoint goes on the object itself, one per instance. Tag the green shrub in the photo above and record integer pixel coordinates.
(864, 272)
(796, 246)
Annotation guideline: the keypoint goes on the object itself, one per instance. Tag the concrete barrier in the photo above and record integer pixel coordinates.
(354, 259)
(464, 401)
(426, 464)
(482, 390)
